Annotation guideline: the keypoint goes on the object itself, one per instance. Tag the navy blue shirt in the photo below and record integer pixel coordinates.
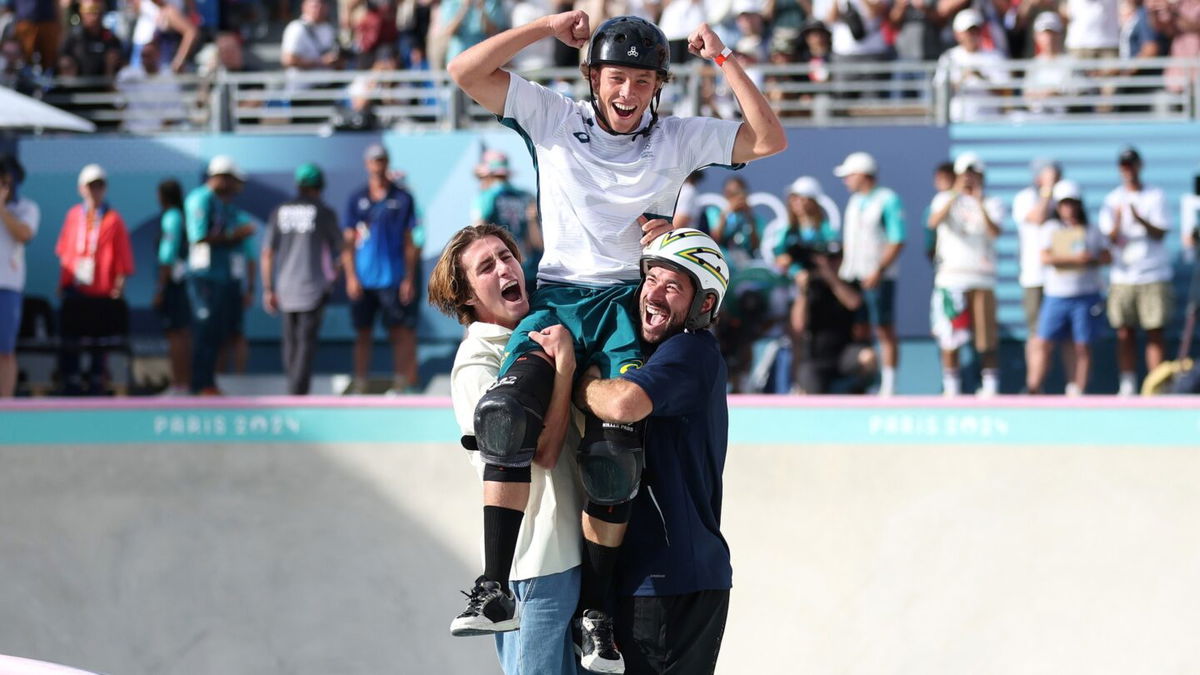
(674, 544)
(380, 228)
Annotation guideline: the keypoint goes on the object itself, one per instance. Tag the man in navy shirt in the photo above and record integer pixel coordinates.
(673, 569)
(380, 260)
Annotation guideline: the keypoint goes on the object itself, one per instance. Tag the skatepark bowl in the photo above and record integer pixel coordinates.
(318, 536)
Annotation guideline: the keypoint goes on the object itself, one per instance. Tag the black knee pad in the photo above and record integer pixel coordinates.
(611, 461)
(615, 513)
(508, 418)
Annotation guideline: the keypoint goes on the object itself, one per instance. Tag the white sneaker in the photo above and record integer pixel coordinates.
(1073, 390)
(595, 645)
(490, 609)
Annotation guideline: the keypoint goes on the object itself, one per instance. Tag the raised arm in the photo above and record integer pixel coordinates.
(761, 134)
(478, 70)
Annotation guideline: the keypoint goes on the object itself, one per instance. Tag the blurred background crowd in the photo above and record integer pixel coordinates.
(141, 49)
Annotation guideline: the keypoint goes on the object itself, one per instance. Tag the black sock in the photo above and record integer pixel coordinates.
(595, 590)
(501, 527)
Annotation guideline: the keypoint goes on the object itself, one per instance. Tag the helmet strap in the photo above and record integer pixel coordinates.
(697, 318)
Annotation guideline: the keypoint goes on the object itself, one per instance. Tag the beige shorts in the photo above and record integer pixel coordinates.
(1145, 306)
(1031, 302)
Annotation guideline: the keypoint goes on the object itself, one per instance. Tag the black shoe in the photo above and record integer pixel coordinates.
(593, 634)
(490, 609)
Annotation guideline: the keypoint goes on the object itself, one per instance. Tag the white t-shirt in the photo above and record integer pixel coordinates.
(686, 204)
(308, 41)
(12, 253)
(541, 53)
(593, 186)
(151, 101)
(842, 39)
(550, 536)
(1137, 259)
(1070, 282)
(972, 76)
(1029, 236)
(1093, 24)
(1049, 75)
(966, 252)
(681, 17)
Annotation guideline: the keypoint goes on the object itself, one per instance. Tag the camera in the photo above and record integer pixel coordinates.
(802, 254)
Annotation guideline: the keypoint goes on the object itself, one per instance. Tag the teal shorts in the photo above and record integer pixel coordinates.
(603, 322)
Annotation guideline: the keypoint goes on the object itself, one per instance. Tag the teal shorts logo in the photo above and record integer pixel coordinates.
(630, 365)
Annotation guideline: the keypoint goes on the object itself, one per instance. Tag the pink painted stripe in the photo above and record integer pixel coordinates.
(737, 401)
(1012, 401)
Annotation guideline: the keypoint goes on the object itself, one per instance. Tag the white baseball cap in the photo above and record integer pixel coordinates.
(805, 186)
(223, 165)
(856, 162)
(967, 19)
(1066, 189)
(92, 173)
(747, 7)
(1047, 21)
(968, 161)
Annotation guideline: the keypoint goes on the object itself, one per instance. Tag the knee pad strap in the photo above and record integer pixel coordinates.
(614, 513)
(507, 474)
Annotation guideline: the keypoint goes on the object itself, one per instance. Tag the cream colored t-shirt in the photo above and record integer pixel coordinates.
(550, 537)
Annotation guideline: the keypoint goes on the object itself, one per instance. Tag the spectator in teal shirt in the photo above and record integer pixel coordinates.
(216, 229)
(171, 295)
(873, 234)
(809, 228)
(738, 230)
(469, 22)
(504, 204)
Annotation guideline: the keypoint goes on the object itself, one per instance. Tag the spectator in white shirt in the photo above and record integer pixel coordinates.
(1134, 218)
(1093, 28)
(1073, 252)
(994, 15)
(1032, 208)
(153, 99)
(1049, 76)
(964, 298)
(311, 42)
(971, 70)
(679, 19)
(873, 235)
(687, 211)
(856, 27)
(19, 217)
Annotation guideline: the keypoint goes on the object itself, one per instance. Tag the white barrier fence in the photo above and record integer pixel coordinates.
(1062, 89)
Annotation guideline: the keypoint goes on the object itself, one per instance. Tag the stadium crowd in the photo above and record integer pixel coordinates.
(138, 48)
(819, 285)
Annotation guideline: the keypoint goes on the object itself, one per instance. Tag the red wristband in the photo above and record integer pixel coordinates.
(722, 57)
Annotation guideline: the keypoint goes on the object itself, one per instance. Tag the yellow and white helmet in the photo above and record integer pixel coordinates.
(695, 254)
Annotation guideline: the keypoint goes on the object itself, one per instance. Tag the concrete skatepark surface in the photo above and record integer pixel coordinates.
(198, 559)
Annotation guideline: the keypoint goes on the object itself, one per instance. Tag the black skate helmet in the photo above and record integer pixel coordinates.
(630, 41)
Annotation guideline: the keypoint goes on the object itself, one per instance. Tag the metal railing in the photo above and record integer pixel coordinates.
(834, 94)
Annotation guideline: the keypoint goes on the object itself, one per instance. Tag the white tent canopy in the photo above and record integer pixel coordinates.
(18, 111)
